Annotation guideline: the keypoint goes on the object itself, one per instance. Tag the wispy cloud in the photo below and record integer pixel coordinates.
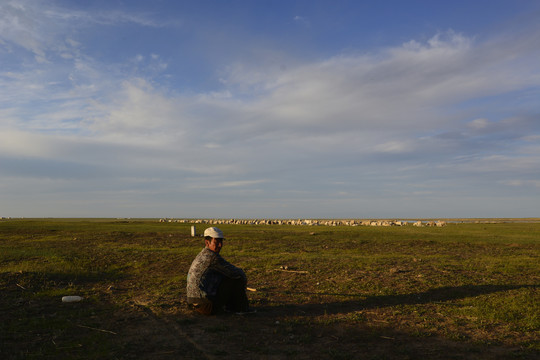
(523, 183)
(103, 17)
(302, 20)
(41, 28)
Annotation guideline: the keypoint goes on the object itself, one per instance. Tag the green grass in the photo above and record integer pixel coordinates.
(462, 291)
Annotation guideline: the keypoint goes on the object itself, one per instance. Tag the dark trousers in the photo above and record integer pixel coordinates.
(231, 295)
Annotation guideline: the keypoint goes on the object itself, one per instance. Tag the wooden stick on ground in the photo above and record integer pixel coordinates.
(93, 328)
(293, 271)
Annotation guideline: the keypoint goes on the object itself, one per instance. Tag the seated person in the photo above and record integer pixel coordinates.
(212, 282)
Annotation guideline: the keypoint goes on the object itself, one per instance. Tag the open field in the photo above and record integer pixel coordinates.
(463, 291)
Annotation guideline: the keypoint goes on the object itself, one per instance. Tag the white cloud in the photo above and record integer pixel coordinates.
(396, 147)
(243, 184)
(479, 123)
(526, 183)
(403, 90)
(47, 30)
(535, 138)
(25, 144)
(109, 17)
(136, 108)
(302, 20)
(19, 24)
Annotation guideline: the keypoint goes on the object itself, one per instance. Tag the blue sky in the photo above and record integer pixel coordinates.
(280, 109)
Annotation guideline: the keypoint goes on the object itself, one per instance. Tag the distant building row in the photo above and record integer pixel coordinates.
(306, 222)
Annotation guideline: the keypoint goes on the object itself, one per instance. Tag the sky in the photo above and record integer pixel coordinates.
(270, 109)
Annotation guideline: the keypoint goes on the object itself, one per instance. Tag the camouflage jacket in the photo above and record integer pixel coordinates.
(206, 273)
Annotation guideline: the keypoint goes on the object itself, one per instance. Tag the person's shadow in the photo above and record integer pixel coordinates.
(437, 295)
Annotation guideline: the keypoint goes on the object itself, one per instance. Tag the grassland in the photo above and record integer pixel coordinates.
(464, 291)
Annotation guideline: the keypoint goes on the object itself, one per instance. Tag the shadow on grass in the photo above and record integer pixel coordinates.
(35, 281)
(35, 324)
(438, 295)
(353, 340)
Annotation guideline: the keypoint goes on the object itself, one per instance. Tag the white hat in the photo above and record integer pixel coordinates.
(213, 232)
